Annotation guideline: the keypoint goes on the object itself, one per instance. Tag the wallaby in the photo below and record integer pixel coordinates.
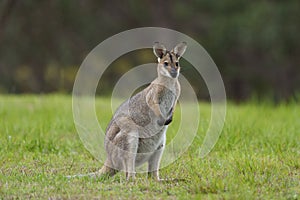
(136, 133)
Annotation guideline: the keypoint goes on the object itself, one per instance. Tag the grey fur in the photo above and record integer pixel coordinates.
(137, 131)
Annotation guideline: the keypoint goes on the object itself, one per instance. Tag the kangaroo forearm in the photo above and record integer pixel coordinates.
(156, 109)
(153, 104)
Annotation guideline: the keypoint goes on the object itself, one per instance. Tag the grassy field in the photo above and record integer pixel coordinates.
(256, 157)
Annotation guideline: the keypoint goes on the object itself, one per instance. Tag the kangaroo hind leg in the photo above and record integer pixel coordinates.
(130, 154)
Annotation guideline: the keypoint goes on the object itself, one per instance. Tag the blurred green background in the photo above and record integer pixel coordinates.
(255, 44)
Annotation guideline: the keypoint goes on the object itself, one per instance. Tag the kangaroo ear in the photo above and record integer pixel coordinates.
(179, 49)
(159, 50)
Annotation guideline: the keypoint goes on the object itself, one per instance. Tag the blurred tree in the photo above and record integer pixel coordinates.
(7, 8)
(255, 44)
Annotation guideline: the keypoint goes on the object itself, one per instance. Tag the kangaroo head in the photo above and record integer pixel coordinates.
(168, 61)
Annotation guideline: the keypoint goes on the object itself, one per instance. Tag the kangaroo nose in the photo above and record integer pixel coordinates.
(173, 72)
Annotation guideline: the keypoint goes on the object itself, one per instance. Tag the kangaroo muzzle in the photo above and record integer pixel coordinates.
(173, 73)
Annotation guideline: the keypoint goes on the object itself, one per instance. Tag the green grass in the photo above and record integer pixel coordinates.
(256, 157)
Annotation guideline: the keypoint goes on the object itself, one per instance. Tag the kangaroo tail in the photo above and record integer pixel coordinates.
(92, 175)
(105, 171)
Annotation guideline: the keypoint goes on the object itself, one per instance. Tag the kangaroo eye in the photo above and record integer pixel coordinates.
(166, 64)
(176, 64)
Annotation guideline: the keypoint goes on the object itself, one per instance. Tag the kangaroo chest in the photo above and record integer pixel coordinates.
(140, 111)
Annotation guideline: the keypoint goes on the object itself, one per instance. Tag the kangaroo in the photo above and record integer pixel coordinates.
(136, 133)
